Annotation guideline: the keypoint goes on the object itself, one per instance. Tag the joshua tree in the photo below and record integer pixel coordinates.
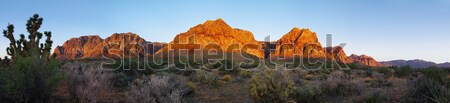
(32, 46)
(31, 75)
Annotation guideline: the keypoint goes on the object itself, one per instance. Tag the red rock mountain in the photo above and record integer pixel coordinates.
(304, 43)
(123, 44)
(215, 32)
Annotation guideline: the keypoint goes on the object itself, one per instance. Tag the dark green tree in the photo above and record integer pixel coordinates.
(31, 74)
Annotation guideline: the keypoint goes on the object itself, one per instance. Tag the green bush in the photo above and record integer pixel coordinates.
(271, 86)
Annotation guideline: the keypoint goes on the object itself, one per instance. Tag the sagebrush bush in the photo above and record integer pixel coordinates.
(88, 84)
(271, 86)
(158, 89)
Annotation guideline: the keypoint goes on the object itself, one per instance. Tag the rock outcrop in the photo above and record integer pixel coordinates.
(299, 42)
(117, 45)
(218, 35)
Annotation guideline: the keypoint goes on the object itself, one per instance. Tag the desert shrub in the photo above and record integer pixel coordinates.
(30, 75)
(380, 82)
(129, 67)
(157, 89)
(204, 77)
(376, 96)
(426, 90)
(340, 84)
(403, 71)
(88, 84)
(271, 86)
(308, 94)
(121, 80)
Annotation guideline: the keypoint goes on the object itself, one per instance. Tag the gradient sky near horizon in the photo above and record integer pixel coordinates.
(383, 29)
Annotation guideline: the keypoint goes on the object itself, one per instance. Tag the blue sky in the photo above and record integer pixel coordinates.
(383, 29)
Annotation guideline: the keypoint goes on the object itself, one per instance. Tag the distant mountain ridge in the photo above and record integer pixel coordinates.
(297, 42)
(416, 63)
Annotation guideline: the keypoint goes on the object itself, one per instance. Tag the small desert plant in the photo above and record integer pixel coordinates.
(88, 84)
(157, 89)
(308, 94)
(271, 86)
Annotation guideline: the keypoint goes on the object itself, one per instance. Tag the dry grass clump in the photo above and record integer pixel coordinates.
(88, 84)
(157, 89)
